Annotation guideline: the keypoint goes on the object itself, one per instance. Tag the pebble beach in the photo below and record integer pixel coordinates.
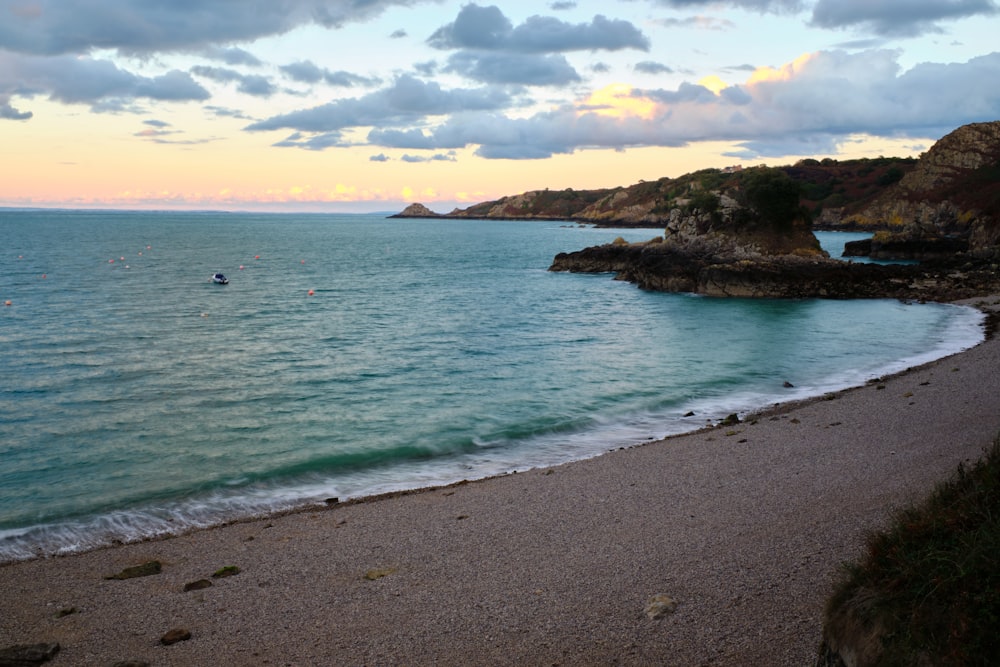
(717, 547)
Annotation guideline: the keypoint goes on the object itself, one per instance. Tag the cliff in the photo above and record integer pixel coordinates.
(949, 201)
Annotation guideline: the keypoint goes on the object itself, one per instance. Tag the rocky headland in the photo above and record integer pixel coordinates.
(752, 236)
(748, 232)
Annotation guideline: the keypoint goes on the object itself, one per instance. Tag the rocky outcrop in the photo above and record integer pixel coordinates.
(661, 267)
(416, 211)
(953, 194)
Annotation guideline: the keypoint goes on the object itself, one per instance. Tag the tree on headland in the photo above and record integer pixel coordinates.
(774, 195)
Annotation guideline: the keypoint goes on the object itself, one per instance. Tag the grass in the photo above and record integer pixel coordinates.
(928, 588)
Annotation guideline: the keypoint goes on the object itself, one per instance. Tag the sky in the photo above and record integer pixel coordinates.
(369, 105)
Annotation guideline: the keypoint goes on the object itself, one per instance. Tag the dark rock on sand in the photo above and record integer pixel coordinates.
(144, 570)
(174, 636)
(27, 655)
(197, 585)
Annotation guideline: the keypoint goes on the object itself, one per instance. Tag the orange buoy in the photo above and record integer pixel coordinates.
(302, 262)
(310, 292)
(256, 256)
(43, 276)
(7, 302)
(241, 267)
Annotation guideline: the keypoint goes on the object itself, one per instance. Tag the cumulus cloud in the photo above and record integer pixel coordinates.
(486, 28)
(100, 83)
(800, 104)
(490, 49)
(897, 18)
(52, 27)
(408, 99)
(514, 68)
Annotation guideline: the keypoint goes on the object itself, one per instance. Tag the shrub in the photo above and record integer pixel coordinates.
(931, 581)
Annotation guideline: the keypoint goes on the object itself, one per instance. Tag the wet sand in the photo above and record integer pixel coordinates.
(743, 526)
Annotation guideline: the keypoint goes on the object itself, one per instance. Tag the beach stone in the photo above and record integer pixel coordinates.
(227, 571)
(144, 570)
(378, 573)
(174, 636)
(197, 585)
(731, 420)
(660, 605)
(131, 663)
(26, 655)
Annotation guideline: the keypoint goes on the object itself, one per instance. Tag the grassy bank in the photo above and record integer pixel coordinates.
(927, 591)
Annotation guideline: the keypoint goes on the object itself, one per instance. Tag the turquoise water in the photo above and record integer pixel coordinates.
(140, 399)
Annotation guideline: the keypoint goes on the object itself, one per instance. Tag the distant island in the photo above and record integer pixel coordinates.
(748, 231)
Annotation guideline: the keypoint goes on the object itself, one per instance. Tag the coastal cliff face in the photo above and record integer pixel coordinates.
(950, 199)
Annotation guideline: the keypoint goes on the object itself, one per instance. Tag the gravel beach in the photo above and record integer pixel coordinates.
(742, 527)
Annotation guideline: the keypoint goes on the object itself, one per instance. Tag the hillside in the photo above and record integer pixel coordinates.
(947, 201)
(826, 184)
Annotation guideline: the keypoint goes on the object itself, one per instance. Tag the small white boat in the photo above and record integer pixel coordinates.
(220, 279)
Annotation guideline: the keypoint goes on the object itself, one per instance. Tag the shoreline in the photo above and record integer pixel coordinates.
(743, 526)
(160, 525)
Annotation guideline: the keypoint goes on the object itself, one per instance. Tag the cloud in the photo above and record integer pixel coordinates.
(813, 103)
(897, 18)
(650, 67)
(490, 49)
(7, 112)
(407, 100)
(762, 6)
(306, 71)
(439, 157)
(152, 26)
(381, 157)
(486, 28)
(398, 34)
(233, 56)
(698, 23)
(514, 68)
(250, 84)
(223, 112)
(100, 83)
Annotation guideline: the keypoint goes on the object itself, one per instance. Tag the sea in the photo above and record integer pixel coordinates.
(353, 355)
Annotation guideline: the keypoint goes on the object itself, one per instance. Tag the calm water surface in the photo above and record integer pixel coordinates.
(138, 398)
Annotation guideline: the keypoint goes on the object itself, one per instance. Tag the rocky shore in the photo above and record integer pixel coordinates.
(663, 267)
